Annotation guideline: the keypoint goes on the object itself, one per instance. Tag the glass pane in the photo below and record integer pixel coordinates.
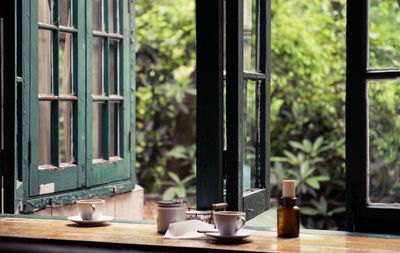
(44, 133)
(97, 130)
(384, 41)
(98, 15)
(248, 35)
(65, 132)
(98, 45)
(114, 137)
(65, 12)
(65, 67)
(45, 61)
(384, 142)
(249, 158)
(113, 16)
(114, 66)
(45, 11)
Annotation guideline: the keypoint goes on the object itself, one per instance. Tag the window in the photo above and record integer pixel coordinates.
(244, 154)
(75, 106)
(371, 93)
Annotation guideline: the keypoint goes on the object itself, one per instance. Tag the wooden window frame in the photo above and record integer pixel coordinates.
(83, 178)
(213, 162)
(362, 216)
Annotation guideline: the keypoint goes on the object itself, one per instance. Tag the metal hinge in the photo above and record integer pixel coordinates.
(130, 141)
(224, 162)
(129, 6)
(29, 152)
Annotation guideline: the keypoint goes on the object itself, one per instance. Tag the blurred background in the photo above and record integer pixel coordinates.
(307, 103)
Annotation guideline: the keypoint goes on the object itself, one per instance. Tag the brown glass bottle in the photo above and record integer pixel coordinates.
(288, 218)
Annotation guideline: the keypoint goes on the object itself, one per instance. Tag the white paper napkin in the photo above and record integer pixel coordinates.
(187, 229)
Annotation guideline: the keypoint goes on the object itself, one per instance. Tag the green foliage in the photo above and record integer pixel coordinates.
(179, 188)
(320, 208)
(308, 102)
(384, 138)
(165, 56)
(302, 166)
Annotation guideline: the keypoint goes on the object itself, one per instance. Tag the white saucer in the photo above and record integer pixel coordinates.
(241, 234)
(100, 220)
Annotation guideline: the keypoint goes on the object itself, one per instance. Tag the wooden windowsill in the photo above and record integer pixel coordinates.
(50, 233)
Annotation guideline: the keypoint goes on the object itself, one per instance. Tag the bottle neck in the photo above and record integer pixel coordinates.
(289, 202)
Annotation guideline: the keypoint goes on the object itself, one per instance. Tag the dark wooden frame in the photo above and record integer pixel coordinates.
(209, 107)
(212, 161)
(361, 216)
(10, 84)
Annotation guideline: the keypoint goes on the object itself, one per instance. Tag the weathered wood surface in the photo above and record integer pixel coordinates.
(141, 236)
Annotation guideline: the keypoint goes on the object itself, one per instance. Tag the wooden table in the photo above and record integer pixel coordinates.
(42, 235)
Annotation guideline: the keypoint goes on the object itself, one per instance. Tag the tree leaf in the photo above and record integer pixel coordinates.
(307, 146)
(304, 167)
(174, 177)
(318, 142)
(291, 156)
(181, 192)
(313, 183)
(278, 159)
(178, 152)
(308, 211)
(187, 179)
(340, 209)
(169, 193)
(308, 172)
(296, 144)
(321, 178)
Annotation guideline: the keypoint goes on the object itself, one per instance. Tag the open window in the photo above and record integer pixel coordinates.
(372, 90)
(75, 108)
(233, 96)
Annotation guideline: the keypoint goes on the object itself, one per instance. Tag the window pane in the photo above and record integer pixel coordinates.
(248, 35)
(98, 45)
(65, 12)
(384, 41)
(66, 131)
(384, 142)
(65, 67)
(113, 16)
(249, 158)
(44, 133)
(114, 45)
(97, 130)
(45, 61)
(45, 11)
(114, 137)
(97, 15)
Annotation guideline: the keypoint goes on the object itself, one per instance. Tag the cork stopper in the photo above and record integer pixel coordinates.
(288, 188)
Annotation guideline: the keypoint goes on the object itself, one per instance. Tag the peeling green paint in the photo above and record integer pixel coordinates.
(82, 179)
(37, 203)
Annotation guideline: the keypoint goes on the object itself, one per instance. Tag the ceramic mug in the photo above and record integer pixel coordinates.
(169, 212)
(229, 222)
(91, 209)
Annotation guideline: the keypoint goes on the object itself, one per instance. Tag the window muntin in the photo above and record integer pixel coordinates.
(247, 132)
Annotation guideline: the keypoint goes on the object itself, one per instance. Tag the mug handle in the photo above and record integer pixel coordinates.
(243, 221)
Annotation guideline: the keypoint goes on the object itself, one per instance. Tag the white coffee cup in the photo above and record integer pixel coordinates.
(91, 209)
(229, 222)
